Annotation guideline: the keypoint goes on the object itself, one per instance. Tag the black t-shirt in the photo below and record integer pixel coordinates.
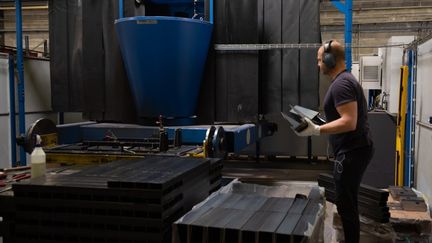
(344, 89)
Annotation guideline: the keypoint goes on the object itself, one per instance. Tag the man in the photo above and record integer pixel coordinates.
(348, 128)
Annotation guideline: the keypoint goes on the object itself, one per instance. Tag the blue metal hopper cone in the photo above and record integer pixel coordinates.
(164, 59)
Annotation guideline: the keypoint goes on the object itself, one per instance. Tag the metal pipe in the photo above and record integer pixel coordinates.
(348, 34)
(211, 12)
(7, 30)
(20, 67)
(121, 11)
(407, 124)
(414, 119)
(346, 9)
(425, 125)
(410, 121)
(42, 7)
(12, 110)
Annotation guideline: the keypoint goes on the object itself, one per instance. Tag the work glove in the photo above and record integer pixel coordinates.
(311, 130)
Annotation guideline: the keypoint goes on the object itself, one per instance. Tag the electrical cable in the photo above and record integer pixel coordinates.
(338, 163)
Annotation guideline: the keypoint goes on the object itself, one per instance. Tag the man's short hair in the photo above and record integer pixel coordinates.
(338, 52)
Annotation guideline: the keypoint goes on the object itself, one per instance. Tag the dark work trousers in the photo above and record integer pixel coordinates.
(347, 180)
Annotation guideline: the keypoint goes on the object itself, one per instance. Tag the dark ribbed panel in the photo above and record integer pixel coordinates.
(309, 72)
(245, 218)
(290, 73)
(87, 72)
(272, 66)
(236, 73)
(269, 81)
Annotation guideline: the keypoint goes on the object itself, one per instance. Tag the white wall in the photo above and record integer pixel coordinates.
(37, 102)
(423, 152)
(4, 110)
(37, 86)
(391, 70)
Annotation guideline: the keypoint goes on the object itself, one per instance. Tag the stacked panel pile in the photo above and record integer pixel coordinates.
(244, 218)
(7, 213)
(122, 201)
(372, 202)
(406, 199)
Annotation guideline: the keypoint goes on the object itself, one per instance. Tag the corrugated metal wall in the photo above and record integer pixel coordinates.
(252, 83)
(86, 66)
(88, 75)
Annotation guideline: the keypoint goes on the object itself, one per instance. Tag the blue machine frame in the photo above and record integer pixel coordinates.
(238, 136)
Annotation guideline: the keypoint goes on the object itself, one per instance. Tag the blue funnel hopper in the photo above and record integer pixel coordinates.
(164, 59)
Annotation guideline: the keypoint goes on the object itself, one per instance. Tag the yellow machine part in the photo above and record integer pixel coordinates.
(400, 129)
(86, 158)
(49, 140)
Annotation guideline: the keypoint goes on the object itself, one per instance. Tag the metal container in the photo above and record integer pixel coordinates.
(165, 59)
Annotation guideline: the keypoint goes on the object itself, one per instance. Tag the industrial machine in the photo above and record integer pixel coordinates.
(92, 142)
(143, 93)
(164, 46)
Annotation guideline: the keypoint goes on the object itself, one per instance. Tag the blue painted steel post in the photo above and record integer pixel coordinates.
(348, 34)
(12, 109)
(211, 11)
(121, 11)
(346, 9)
(409, 121)
(20, 67)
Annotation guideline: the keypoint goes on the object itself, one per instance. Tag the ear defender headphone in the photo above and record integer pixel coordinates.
(328, 57)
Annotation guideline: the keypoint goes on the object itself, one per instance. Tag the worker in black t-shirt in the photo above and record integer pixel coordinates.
(348, 128)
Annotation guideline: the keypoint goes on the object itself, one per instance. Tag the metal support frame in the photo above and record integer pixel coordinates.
(12, 109)
(121, 9)
(211, 12)
(20, 67)
(410, 122)
(347, 10)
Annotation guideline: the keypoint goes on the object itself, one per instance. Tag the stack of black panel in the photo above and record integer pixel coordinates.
(372, 202)
(243, 218)
(122, 201)
(7, 213)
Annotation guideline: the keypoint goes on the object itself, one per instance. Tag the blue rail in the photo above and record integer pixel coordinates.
(20, 67)
(121, 9)
(347, 10)
(409, 128)
(12, 110)
(211, 12)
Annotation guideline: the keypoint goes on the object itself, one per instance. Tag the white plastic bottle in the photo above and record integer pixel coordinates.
(38, 159)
